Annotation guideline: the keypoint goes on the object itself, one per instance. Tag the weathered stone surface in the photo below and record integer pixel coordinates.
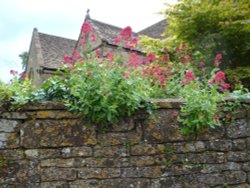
(84, 151)
(246, 166)
(55, 174)
(9, 140)
(126, 124)
(8, 126)
(239, 156)
(239, 145)
(49, 147)
(149, 149)
(162, 128)
(183, 169)
(60, 184)
(112, 151)
(54, 133)
(211, 179)
(14, 115)
(12, 154)
(110, 139)
(98, 173)
(55, 114)
(235, 177)
(239, 129)
(142, 172)
(220, 145)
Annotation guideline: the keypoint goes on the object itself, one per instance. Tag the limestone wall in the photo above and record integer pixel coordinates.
(46, 146)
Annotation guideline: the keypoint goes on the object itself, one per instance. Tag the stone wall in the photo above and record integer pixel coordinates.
(46, 146)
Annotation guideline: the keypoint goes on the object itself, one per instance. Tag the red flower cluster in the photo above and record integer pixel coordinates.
(13, 72)
(126, 33)
(217, 61)
(220, 78)
(86, 28)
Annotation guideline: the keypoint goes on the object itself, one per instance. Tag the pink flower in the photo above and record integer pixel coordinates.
(110, 55)
(151, 57)
(134, 41)
(23, 75)
(218, 56)
(67, 59)
(177, 49)
(189, 76)
(86, 27)
(225, 85)
(184, 47)
(216, 117)
(126, 33)
(117, 40)
(210, 82)
(219, 77)
(13, 72)
(98, 52)
(175, 113)
(93, 37)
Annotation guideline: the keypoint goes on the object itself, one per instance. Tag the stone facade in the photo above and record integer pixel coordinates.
(46, 146)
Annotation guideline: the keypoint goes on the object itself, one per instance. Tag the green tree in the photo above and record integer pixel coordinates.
(24, 57)
(211, 27)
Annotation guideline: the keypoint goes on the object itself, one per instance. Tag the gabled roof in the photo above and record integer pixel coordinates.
(105, 31)
(155, 31)
(54, 49)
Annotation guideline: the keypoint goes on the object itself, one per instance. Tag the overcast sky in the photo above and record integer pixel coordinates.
(64, 18)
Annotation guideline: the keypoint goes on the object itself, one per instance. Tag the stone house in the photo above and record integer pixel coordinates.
(47, 52)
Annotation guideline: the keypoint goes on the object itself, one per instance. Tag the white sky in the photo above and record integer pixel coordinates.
(64, 18)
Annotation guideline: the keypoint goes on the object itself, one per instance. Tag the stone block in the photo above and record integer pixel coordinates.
(8, 126)
(112, 151)
(239, 145)
(124, 125)
(239, 129)
(61, 184)
(14, 115)
(211, 179)
(162, 127)
(239, 156)
(235, 177)
(12, 154)
(54, 133)
(246, 166)
(150, 149)
(220, 145)
(55, 174)
(84, 151)
(9, 140)
(55, 114)
(98, 173)
(142, 172)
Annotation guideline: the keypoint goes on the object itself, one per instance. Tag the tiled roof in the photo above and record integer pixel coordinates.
(156, 30)
(54, 49)
(107, 32)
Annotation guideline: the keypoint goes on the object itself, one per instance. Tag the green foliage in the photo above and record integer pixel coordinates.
(24, 57)
(211, 27)
(102, 94)
(15, 94)
(53, 89)
(239, 76)
(199, 109)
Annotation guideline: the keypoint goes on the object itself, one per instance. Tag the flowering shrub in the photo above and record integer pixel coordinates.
(17, 93)
(105, 87)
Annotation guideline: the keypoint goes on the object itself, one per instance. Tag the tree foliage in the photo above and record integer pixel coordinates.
(24, 57)
(211, 27)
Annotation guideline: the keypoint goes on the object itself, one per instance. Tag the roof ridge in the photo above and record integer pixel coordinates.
(151, 25)
(56, 36)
